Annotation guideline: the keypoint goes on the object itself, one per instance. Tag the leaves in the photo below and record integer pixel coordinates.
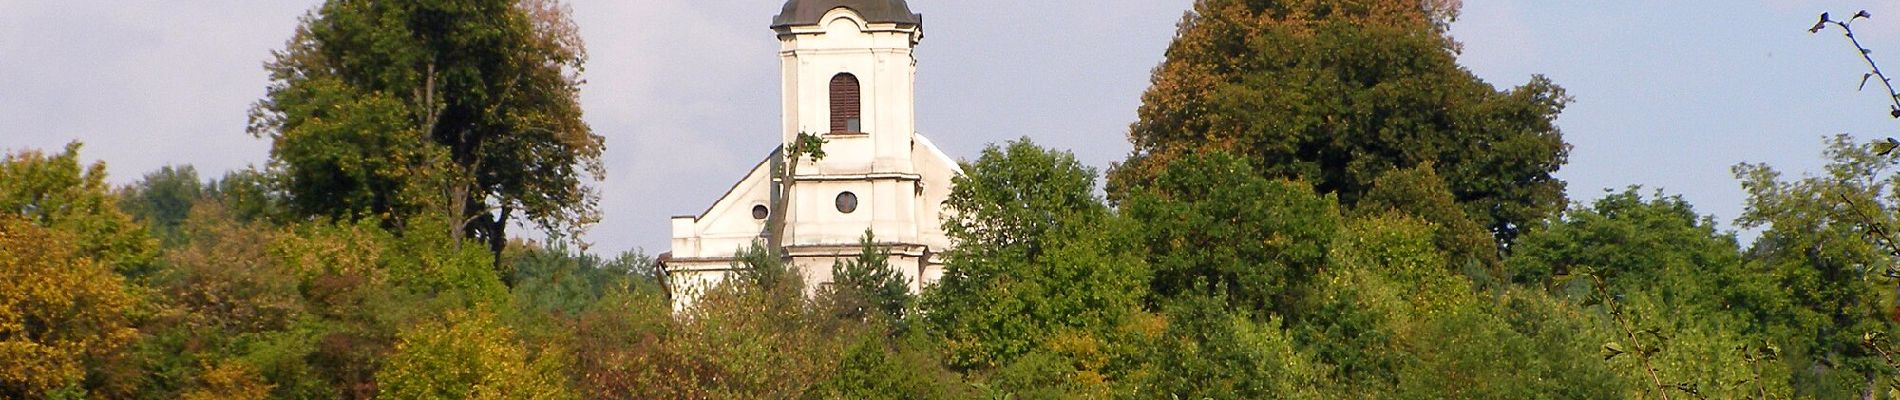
(472, 356)
(57, 192)
(1211, 223)
(1886, 147)
(1611, 350)
(1038, 255)
(1339, 95)
(468, 108)
(60, 312)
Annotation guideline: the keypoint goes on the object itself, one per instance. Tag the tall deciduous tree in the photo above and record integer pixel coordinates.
(1337, 93)
(1822, 245)
(1210, 222)
(387, 109)
(1039, 258)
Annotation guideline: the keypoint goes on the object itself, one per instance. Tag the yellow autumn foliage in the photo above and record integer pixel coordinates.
(471, 355)
(57, 310)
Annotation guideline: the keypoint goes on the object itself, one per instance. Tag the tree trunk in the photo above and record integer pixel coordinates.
(458, 225)
(497, 241)
(784, 173)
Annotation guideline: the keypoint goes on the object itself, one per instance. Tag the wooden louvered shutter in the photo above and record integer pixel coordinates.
(845, 110)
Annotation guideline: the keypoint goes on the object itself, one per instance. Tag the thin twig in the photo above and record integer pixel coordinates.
(1868, 55)
(1623, 324)
(1877, 229)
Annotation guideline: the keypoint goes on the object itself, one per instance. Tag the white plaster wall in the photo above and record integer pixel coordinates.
(728, 224)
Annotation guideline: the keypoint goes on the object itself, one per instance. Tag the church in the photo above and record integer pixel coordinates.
(848, 72)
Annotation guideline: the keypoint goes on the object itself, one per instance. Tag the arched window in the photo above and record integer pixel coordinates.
(845, 110)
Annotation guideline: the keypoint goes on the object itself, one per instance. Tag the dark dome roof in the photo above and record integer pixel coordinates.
(807, 12)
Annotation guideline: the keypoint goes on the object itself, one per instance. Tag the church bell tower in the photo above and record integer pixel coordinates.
(848, 71)
(848, 75)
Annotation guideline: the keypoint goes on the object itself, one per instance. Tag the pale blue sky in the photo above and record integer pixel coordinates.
(1669, 94)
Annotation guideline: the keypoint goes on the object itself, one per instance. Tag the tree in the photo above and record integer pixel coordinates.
(61, 313)
(1421, 193)
(57, 193)
(229, 380)
(1677, 292)
(1392, 323)
(871, 369)
(163, 199)
(785, 163)
(470, 355)
(250, 194)
(218, 292)
(1823, 248)
(1337, 93)
(468, 108)
(1210, 351)
(1210, 222)
(362, 285)
(1039, 257)
(623, 349)
(867, 286)
(1877, 225)
(1656, 245)
(564, 282)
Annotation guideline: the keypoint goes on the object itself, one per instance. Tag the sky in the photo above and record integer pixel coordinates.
(1669, 95)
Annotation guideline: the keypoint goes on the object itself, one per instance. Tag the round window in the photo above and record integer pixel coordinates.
(847, 202)
(760, 212)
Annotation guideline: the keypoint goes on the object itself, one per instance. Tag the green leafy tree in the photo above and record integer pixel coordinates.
(56, 192)
(1392, 323)
(875, 369)
(1209, 351)
(1822, 244)
(866, 286)
(758, 267)
(1210, 222)
(1678, 295)
(560, 280)
(346, 153)
(1421, 193)
(361, 285)
(1656, 245)
(1039, 257)
(163, 199)
(1338, 93)
(250, 194)
(757, 336)
(390, 109)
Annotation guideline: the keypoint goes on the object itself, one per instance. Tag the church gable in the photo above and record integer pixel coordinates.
(732, 222)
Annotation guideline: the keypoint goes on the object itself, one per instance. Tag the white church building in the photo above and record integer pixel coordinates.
(848, 72)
